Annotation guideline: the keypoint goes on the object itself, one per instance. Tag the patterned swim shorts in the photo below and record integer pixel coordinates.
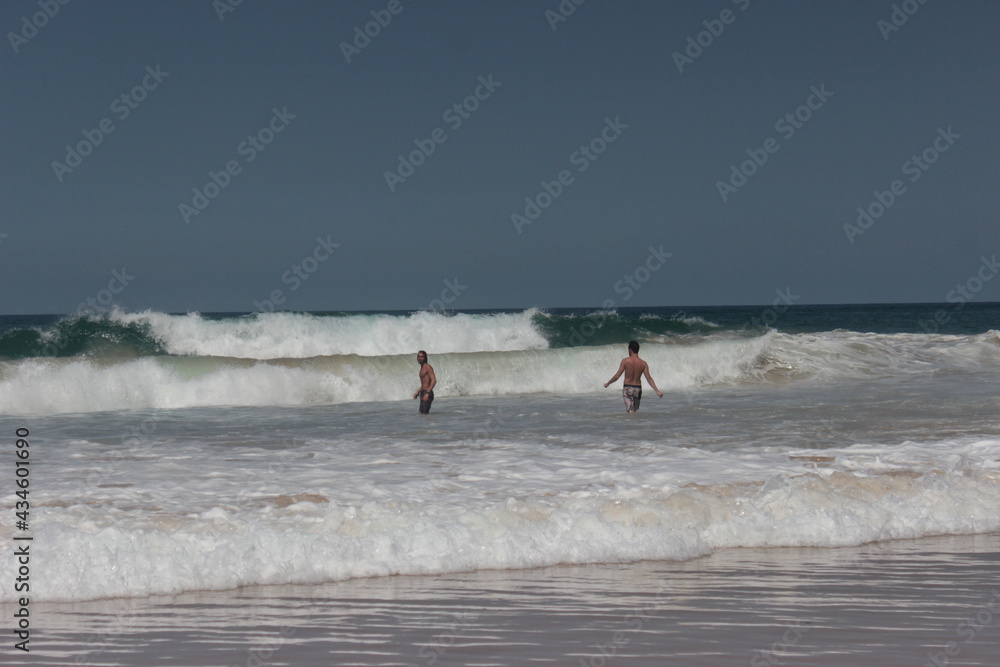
(632, 393)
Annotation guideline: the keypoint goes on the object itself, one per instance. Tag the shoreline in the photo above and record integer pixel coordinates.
(899, 602)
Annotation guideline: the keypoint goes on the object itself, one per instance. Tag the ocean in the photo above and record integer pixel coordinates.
(179, 456)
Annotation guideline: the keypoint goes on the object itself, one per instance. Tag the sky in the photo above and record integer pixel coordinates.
(239, 156)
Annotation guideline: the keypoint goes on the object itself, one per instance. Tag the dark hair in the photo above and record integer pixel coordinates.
(633, 346)
(422, 352)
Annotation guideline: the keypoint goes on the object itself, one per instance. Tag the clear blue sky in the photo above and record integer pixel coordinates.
(308, 117)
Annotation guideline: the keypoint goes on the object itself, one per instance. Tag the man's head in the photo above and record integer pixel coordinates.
(633, 347)
(421, 357)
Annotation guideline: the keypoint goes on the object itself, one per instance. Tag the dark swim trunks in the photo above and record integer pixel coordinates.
(632, 393)
(426, 398)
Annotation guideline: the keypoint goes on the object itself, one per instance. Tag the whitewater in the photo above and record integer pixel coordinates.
(156, 360)
(188, 452)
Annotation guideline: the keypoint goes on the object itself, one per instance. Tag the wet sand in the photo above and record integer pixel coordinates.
(933, 601)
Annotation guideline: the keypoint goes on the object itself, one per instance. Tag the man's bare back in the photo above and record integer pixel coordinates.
(634, 370)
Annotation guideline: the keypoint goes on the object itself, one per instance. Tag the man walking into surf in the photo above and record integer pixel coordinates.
(634, 369)
(427, 382)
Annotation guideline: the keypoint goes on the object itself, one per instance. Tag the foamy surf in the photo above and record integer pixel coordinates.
(215, 531)
(180, 452)
(302, 335)
(81, 384)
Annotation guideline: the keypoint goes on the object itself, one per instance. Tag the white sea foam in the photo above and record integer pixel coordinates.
(299, 335)
(824, 439)
(240, 524)
(26, 387)
(846, 354)
(49, 386)
(688, 319)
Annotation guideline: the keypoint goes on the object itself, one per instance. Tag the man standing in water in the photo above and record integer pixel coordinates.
(634, 368)
(427, 382)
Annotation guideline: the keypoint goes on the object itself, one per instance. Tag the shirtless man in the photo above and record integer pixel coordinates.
(634, 368)
(427, 382)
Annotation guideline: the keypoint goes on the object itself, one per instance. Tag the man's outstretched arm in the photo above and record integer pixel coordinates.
(621, 369)
(649, 379)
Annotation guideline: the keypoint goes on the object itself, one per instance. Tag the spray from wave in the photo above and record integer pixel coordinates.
(49, 386)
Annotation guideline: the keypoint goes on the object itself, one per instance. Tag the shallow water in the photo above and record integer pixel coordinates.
(163, 501)
(892, 603)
